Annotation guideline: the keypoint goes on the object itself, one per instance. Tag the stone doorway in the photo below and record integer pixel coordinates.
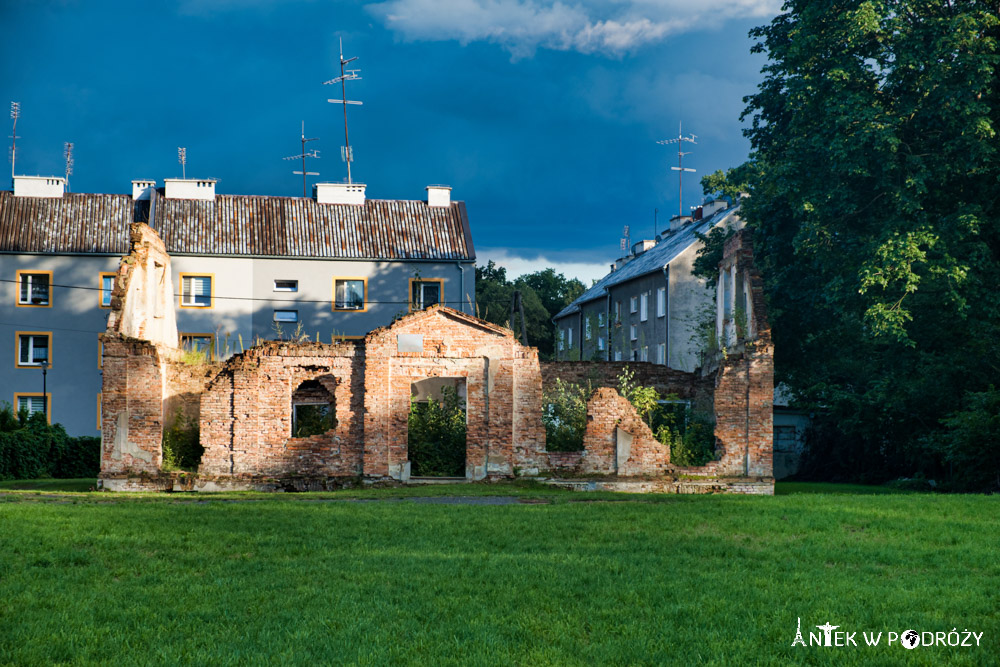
(437, 428)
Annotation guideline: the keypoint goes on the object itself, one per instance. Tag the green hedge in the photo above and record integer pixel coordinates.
(30, 448)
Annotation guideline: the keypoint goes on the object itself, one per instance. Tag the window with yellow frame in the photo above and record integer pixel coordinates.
(33, 349)
(34, 289)
(197, 290)
(426, 292)
(107, 281)
(34, 402)
(350, 294)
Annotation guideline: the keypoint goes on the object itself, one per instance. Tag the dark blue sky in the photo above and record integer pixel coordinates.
(542, 116)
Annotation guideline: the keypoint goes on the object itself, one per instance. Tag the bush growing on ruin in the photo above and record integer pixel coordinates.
(565, 416)
(182, 448)
(436, 437)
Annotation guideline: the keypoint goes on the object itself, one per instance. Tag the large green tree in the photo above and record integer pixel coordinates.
(874, 180)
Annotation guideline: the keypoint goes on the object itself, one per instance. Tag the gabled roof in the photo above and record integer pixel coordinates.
(257, 226)
(653, 260)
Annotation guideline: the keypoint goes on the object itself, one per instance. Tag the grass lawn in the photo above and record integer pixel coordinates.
(301, 578)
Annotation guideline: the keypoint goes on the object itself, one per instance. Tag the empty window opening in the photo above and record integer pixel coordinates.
(314, 407)
(436, 435)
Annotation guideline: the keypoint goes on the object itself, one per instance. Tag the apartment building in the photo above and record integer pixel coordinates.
(333, 266)
(650, 305)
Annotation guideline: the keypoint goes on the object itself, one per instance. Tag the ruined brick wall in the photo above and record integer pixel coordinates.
(142, 303)
(744, 382)
(185, 383)
(529, 454)
(440, 342)
(617, 441)
(131, 406)
(246, 413)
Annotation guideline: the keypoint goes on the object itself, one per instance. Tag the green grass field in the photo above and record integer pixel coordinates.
(373, 577)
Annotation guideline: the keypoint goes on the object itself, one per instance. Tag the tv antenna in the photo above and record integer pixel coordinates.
(182, 157)
(346, 154)
(313, 153)
(15, 113)
(626, 243)
(68, 154)
(680, 168)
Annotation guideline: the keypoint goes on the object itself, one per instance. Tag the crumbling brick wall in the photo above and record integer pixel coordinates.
(617, 441)
(245, 407)
(131, 406)
(744, 381)
(246, 412)
(441, 342)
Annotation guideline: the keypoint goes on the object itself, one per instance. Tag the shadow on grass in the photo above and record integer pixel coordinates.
(790, 488)
(84, 484)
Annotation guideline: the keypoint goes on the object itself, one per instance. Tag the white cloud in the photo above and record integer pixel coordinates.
(519, 266)
(521, 26)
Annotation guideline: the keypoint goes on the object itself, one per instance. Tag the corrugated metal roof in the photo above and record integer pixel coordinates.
(239, 225)
(73, 223)
(651, 261)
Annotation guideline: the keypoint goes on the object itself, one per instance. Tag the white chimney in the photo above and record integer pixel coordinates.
(708, 209)
(189, 188)
(39, 186)
(438, 195)
(679, 221)
(340, 193)
(142, 189)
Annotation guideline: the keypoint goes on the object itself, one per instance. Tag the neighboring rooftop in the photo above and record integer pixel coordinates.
(652, 259)
(258, 226)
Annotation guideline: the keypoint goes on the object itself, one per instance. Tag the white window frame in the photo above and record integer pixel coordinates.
(600, 343)
(286, 316)
(661, 302)
(347, 305)
(618, 355)
(633, 304)
(420, 303)
(601, 320)
(31, 336)
(293, 287)
(633, 331)
(644, 353)
(644, 306)
(661, 353)
(190, 299)
(30, 400)
(587, 329)
(27, 278)
(562, 340)
(569, 337)
(618, 311)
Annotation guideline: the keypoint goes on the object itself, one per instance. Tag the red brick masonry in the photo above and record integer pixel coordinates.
(244, 409)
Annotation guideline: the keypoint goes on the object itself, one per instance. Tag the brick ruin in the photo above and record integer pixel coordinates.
(245, 407)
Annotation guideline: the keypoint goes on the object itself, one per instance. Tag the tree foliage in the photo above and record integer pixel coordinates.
(31, 448)
(436, 436)
(874, 179)
(543, 294)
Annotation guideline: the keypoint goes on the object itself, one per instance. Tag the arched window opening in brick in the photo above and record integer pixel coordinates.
(314, 407)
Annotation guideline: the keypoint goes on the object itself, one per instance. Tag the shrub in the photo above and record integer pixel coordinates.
(565, 416)
(970, 447)
(31, 448)
(182, 448)
(436, 437)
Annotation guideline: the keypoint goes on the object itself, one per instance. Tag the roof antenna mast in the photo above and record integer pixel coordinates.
(182, 157)
(680, 166)
(68, 154)
(313, 153)
(15, 113)
(345, 75)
